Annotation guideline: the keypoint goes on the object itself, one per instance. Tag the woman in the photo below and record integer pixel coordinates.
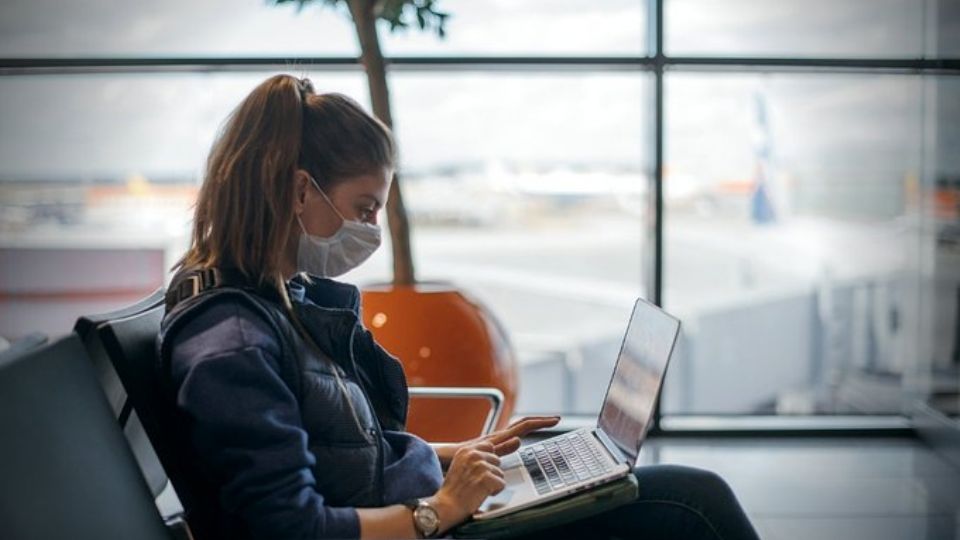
(293, 414)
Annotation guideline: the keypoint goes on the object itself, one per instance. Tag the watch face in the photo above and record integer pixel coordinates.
(427, 519)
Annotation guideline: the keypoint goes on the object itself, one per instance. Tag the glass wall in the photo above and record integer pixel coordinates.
(809, 207)
(256, 28)
(808, 172)
(938, 376)
(790, 227)
(813, 29)
(529, 191)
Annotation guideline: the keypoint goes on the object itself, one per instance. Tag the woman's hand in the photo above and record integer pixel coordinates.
(504, 441)
(474, 475)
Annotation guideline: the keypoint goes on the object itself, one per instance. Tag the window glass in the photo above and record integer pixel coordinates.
(529, 191)
(814, 28)
(791, 231)
(48, 28)
(101, 127)
(98, 174)
(810, 218)
(937, 383)
(542, 27)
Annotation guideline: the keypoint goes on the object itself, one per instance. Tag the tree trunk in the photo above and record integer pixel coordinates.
(365, 21)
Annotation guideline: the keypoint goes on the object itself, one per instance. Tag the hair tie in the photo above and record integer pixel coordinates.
(305, 87)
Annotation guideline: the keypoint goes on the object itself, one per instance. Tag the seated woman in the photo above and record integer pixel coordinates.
(294, 414)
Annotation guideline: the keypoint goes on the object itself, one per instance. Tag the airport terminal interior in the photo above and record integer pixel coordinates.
(781, 176)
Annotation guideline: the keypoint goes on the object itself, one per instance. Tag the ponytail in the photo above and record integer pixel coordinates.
(243, 217)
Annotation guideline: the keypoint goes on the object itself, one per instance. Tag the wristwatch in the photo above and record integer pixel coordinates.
(426, 520)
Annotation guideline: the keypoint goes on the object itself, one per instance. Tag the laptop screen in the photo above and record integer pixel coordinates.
(638, 375)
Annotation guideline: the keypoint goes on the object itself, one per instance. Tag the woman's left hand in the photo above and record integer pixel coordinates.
(504, 441)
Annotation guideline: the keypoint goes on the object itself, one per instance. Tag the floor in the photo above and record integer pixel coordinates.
(829, 488)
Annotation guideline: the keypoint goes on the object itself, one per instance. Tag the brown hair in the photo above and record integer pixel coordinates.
(243, 216)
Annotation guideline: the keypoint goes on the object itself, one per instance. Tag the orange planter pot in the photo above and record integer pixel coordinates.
(443, 338)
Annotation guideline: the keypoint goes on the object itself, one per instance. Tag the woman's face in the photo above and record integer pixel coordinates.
(359, 198)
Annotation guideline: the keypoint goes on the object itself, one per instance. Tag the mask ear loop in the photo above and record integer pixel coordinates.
(302, 228)
(316, 185)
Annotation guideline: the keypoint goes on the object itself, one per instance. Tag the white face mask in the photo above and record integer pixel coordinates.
(353, 243)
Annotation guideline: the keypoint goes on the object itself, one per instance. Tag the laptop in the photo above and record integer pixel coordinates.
(589, 457)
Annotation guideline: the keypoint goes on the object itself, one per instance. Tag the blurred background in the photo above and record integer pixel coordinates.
(783, 176)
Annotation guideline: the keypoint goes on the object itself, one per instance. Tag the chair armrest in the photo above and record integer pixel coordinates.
(493, 395)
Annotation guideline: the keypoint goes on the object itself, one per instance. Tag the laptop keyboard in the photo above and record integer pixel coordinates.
(565, 460)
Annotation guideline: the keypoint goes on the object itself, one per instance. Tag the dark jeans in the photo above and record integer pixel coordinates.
(674, 502)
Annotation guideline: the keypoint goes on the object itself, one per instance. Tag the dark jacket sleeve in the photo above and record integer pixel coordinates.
(246, 426)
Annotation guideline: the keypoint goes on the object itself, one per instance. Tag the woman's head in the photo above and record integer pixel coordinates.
(278, 149)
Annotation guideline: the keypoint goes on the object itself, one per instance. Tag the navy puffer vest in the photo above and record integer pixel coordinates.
(342, 427)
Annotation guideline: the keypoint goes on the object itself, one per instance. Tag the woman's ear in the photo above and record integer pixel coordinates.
(301, 184)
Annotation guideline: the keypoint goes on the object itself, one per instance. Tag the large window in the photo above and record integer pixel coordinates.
(789, 233)
(815, 28)
(536, 203)
(241, 28)
(782, 176)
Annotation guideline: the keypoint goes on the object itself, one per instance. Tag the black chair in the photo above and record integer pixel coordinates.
(21, 346)
(130, 343)
(88, 323)
(67, 471)
(87, 327)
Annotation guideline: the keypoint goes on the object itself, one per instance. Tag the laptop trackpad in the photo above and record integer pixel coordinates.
(514, 479)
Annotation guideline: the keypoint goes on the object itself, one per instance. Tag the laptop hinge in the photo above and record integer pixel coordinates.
(614, 450)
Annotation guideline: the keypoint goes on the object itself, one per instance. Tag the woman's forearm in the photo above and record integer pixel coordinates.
(388, 522)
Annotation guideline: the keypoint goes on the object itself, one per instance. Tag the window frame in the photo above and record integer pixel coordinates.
(655, 62)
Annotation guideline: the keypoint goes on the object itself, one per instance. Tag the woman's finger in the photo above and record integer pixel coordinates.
(520, 428)
(531, 423)
(483, 446)
(497, 471)
(479, 456)
(524, 425)
(498, 437)
(495, 484)
(508, 447)
(531, 418)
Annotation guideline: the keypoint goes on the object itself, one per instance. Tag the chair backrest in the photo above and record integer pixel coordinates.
(88, 323)
(130, 344)
(22, 346)
(67, 471)
(87, 327)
